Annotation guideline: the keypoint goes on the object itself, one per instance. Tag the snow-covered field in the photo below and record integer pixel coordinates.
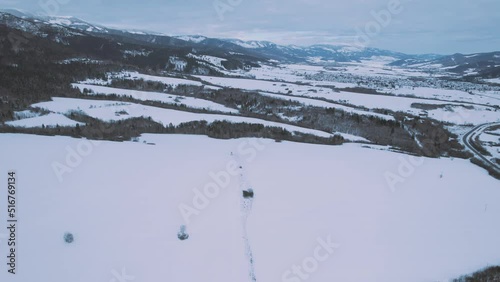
(379, 68)
(115, 111)
(453, 112)
(325, 104)
(260, 85)
(50, 120)
(490, 140)
(371, 70)
(476, 108)
(320, 213)
(446, 95)
(172, 81)
(121, 202)
(190, 102)
(292, 73)
(493, 80)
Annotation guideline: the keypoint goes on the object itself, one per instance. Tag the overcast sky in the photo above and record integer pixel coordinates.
(415, 26)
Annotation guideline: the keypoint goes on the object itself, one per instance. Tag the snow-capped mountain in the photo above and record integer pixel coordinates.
(253, 44)
(320, 53)
(261, 50)
(75, 23)
(238, 53)
(18, 13)
(192, 38)
(66, 21)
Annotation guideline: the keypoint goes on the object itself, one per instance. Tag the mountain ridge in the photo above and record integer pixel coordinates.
(238, 54)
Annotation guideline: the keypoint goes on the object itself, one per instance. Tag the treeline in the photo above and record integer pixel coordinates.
(227, 130)
(482, 164)
(24, 85)
(95, 129)
(125, 130)
(30, 72)
(486, 275)
(435, 139)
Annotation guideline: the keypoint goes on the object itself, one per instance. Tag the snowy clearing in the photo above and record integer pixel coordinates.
(324, 104)
(50, 120)
(452, 112)
(171, 81)
(493, 80)
(446, 95)
(157, 96)
(114, 111)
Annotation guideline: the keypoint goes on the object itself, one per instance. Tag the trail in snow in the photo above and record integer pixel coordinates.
(246, 210)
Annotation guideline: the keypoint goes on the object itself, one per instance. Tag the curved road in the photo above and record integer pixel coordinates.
(468, 141)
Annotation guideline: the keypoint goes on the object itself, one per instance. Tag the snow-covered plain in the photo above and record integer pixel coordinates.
(297, 74)
(325, 104)
(476, 115)
(445, 94)
(49, 120)
(190, 102)
(262, 85)
(115, 111)
(121, 202)
(289, 79)
(172, 81)
(493, 80)
(292, 73)
(490, 140)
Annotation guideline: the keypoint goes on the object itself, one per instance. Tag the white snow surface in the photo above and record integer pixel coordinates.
(49, 120)
(455, 112)
(493, 80)
(191, 38)
(172, 81)
(445, 94)
(325, 104)
(216, 61)
(190, 102)
(121, 203)
(115, 111)
(292, 73)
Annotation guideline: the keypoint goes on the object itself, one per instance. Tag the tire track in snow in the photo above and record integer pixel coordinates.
(246, 210)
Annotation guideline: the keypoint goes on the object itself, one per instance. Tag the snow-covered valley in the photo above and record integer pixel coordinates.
(124, 203)
(137, 156)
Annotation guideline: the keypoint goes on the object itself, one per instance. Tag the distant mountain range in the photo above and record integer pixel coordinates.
(236, 54)
(486, 65)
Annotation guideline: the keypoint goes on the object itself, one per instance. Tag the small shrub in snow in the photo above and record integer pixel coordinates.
(248, 194)
(182, 234)
(68, 238)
